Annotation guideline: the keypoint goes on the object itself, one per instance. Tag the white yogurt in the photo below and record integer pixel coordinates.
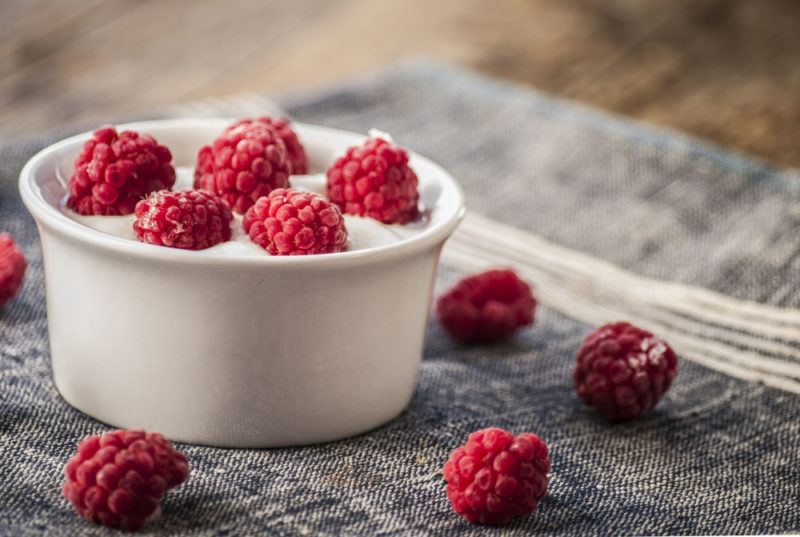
(362, 232)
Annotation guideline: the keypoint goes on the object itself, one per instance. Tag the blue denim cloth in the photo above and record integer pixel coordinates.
(719, 455)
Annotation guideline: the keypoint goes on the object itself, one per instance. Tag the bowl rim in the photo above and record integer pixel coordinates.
(46, 214)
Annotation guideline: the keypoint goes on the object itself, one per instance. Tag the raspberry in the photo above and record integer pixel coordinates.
(246, 162)
(12, 268)
(375, 180)
(188, 219)
(114, 171)
(119, 478)
(294, 149)
(622, 370)
(489, 306)
(291, 222)
(497, 476)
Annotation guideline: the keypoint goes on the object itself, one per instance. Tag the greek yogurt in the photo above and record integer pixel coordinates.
(363, 233)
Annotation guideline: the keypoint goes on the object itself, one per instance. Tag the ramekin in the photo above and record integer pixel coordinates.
(234, 351)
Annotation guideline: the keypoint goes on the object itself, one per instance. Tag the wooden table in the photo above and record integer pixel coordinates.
(726, 70)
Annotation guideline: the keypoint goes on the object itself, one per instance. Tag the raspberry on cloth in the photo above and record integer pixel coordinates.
(485, 307)
(12, 268)
(118, 478)
(622, 370)
(497, 476)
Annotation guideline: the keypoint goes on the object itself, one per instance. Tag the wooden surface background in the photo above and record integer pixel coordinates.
(725, 70)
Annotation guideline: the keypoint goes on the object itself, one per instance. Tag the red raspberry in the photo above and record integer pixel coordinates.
(375, 180)
(188, 219)
(119, 478)
(497, 476)
(622, 370)
(12, 268)
(114, 171)
(489, 306)
(247, 161)
(291, 222)
(294, 149)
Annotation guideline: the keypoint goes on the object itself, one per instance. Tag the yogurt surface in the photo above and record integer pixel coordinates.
(363, 233)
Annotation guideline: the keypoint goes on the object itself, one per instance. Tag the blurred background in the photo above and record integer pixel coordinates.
(724, 70)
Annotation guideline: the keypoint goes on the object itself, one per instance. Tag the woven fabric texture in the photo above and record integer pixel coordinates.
(607, 219)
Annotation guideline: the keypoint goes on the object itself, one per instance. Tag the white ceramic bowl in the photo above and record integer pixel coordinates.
(234, 351)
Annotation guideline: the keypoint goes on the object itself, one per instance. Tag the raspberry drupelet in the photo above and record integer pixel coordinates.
(118, 479)
(375, 180)
(248, 161)
(187, 219)
(496, 476)
(12, 268)
(114, 171)
(485, 307)
(291, 222)
(622, 370)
